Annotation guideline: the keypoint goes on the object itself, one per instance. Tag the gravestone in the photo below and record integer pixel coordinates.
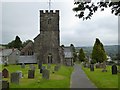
(48, 66)
(31, 73)
(104, 67)
(5, 73)
(23, 65)
(5, 85)
(20, 74)
(56, 68)
(14, 78)
(43, 67)
(46, 74)
(41, 70)
(40, 66)
(87, 65)
(92, 67)
(114, 69)
(97, 65)
(0, 75)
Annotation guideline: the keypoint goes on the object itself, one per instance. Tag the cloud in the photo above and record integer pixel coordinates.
(22, 19)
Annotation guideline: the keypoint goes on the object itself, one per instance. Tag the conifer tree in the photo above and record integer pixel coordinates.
(98, 53)
(81, 55)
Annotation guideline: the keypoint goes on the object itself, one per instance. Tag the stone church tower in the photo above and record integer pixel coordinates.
(47, 43)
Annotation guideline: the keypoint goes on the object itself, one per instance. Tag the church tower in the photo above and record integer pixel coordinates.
(46, 44)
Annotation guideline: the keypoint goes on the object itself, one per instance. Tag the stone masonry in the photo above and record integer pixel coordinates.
(47, 43)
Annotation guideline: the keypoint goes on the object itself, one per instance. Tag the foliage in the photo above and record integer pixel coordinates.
(98, 53)
(92, 7)
(17, 43)
(82, 57)
(26, 42)
(105, 80)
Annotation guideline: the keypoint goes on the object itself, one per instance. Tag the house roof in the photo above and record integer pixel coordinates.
(28, 46)
(5, 52)
(68, 52)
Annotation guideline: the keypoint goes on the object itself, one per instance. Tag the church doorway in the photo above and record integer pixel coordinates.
(49, 58)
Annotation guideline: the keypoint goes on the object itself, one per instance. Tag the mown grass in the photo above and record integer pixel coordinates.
(102, 79)
(58, 79)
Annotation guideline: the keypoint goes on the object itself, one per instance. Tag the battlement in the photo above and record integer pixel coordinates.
(49, 12)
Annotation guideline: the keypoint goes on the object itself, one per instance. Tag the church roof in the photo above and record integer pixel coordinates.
(37, 36)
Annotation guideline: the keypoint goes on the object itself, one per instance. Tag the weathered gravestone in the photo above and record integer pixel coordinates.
(48, 66)
(14, 78)
(5, 73)
(88, 65)
(42, 68)
(114, 69)
(0, 75)
(39, 65)
(104, 67)
(20, 74)
(91, 67)
(5, 85)
(97, 65)
(56, 68)
(46, 74)
(23, 65)
(31, 73)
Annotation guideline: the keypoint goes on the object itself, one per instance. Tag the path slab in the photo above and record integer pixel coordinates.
(79, 79)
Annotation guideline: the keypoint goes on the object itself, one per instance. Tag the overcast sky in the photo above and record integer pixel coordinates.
(22, 19)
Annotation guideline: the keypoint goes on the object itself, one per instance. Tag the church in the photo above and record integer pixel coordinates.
(47, 42)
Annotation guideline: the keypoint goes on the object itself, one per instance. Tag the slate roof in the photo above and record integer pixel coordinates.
(5, 52)
(68, 52)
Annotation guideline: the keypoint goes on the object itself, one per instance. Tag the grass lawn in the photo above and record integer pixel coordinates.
(102, 79)
(59, 79)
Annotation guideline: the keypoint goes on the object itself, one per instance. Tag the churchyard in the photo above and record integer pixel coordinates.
(29, 76)
(103, 79)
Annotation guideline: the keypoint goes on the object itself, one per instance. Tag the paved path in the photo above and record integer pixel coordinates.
(79, 79)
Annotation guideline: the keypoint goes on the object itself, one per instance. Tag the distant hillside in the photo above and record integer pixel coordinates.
(111, 50)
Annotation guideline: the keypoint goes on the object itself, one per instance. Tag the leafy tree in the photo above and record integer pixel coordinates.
(98, 53)
(26, 42)
(92, 7)
(82, 57)
(17, 43)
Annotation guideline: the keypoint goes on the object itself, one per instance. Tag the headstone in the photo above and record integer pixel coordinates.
(23, 65)
(104, 67)
(97, 65)
(46, 74)
(48, 66)
(40, 65)
(31, 73)
(15, 78)
(5, 73)
(20, 74)
(41, 70)
(0, 75)
(87, 65)
(114, 69)
(5, 85)
(56, 68)
(92, 67)
(43, 67)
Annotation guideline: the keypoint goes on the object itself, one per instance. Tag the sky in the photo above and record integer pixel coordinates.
(21, 17)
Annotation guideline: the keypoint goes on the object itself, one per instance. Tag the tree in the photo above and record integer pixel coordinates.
(98, 53)
(82, 57)
(92, 7)
(17, 43)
